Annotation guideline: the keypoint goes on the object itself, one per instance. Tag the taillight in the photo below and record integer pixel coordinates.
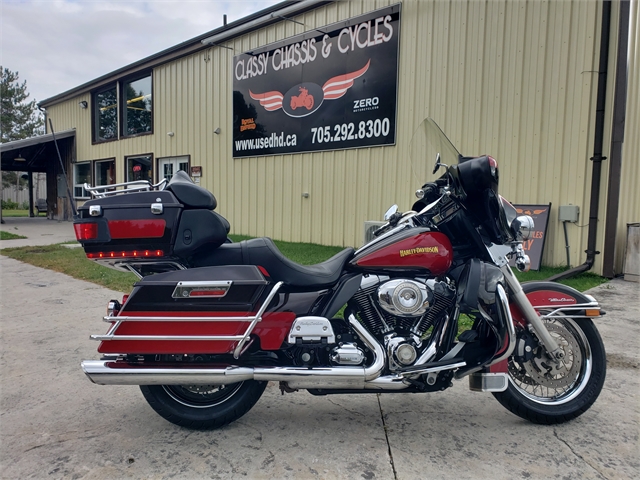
(127, 254)
(86, 231)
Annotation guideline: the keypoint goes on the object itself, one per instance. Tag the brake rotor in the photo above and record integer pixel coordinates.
(543, 371)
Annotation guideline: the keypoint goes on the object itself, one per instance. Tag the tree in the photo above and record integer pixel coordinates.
(20, 118)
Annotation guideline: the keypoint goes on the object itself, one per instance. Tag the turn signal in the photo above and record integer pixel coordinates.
(86, 231)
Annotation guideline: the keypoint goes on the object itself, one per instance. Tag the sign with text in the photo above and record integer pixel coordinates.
(535, 245)
(331, 88)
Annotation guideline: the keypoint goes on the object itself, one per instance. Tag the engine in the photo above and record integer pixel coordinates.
(399, 311)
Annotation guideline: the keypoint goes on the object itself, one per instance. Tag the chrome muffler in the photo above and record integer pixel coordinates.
(110, 372)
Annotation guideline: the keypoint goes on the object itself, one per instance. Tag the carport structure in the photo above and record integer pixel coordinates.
(39, 155)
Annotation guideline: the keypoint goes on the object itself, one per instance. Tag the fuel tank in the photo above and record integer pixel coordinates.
(415, 249)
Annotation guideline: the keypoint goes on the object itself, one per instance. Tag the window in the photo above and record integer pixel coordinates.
(139, 168)
(123, 109)
(105, 105)
(105, 172)
(81, 175)
(137, 116)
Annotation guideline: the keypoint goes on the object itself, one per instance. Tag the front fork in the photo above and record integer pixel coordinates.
(520, 299)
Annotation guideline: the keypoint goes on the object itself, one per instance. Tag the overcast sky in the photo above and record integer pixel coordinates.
(56, 45)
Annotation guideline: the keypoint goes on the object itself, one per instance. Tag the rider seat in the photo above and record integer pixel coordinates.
(262, 252)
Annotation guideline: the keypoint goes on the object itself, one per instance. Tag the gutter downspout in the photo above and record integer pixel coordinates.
(617, 139)
(597, 149)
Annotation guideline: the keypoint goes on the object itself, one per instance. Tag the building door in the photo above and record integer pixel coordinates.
(168, 166)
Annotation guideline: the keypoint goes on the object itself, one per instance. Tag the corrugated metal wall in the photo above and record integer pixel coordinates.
(513, 79)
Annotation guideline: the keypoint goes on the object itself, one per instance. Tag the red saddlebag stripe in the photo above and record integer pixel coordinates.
(271, 330)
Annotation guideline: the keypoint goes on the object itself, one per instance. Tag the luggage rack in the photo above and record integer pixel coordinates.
(241, 339)
(103, 191)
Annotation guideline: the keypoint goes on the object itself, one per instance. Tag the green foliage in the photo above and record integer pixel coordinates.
(14, 180)
(19, 118)
(9, 236)
(9, 204)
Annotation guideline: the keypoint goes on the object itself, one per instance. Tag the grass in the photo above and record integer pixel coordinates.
(581, 282)
(15, 213)
(9, 236)
(72, 261)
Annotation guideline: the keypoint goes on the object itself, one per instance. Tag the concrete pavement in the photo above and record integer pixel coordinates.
(38, 230)
(54, 423)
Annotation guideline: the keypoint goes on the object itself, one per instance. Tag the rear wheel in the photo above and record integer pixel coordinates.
(544, 392)
(203, 407)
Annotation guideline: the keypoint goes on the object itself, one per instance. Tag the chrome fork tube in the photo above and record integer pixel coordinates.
(530, 313)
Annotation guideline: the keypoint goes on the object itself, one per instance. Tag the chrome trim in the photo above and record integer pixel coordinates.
(183, 290)
(386, 383)
(390, 297)
(100, 372)
(488, 382)
(526, 226)
(104, 338)
(257, 318)
(103, 191)
(331, 377)
(311, 329)
(439, 368)
(347, 354)
(529, 312)
(157, 208)
(95, 210)
(110, 335)
(130, 264)
(128, 318)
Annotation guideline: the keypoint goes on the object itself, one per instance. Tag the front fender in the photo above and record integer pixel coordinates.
(553, 299)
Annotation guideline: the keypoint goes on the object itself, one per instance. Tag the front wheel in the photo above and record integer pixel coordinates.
(544, 392)
(203, 407)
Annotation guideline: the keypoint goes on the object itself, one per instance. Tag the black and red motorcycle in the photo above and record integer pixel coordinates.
(210, 322)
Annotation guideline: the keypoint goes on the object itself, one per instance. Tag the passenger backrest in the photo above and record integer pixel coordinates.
(190, 194)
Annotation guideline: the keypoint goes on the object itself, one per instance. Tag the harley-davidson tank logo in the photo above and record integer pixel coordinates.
(418, 250)
(305, 98)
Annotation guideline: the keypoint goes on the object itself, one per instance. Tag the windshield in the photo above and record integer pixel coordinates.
(428, 140)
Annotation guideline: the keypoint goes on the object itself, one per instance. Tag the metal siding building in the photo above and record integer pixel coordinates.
(514, 79)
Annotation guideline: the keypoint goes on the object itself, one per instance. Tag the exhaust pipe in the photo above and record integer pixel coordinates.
(110, 372)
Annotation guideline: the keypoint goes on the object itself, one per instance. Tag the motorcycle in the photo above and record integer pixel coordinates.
(211, 322)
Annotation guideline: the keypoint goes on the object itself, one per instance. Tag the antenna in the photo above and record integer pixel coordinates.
(64, 173)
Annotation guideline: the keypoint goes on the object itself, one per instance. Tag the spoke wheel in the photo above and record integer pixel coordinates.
(545, 391)
(203, 407)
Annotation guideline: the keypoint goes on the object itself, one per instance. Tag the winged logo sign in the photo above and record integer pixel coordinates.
(333, 89)
(328, 89)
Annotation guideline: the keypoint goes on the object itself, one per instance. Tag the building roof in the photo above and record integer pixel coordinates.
(262, 18)
(35, 152)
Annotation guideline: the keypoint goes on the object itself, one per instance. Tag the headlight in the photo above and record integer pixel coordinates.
(526, 226)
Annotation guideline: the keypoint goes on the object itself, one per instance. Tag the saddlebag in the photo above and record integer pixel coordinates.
(209, 310)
